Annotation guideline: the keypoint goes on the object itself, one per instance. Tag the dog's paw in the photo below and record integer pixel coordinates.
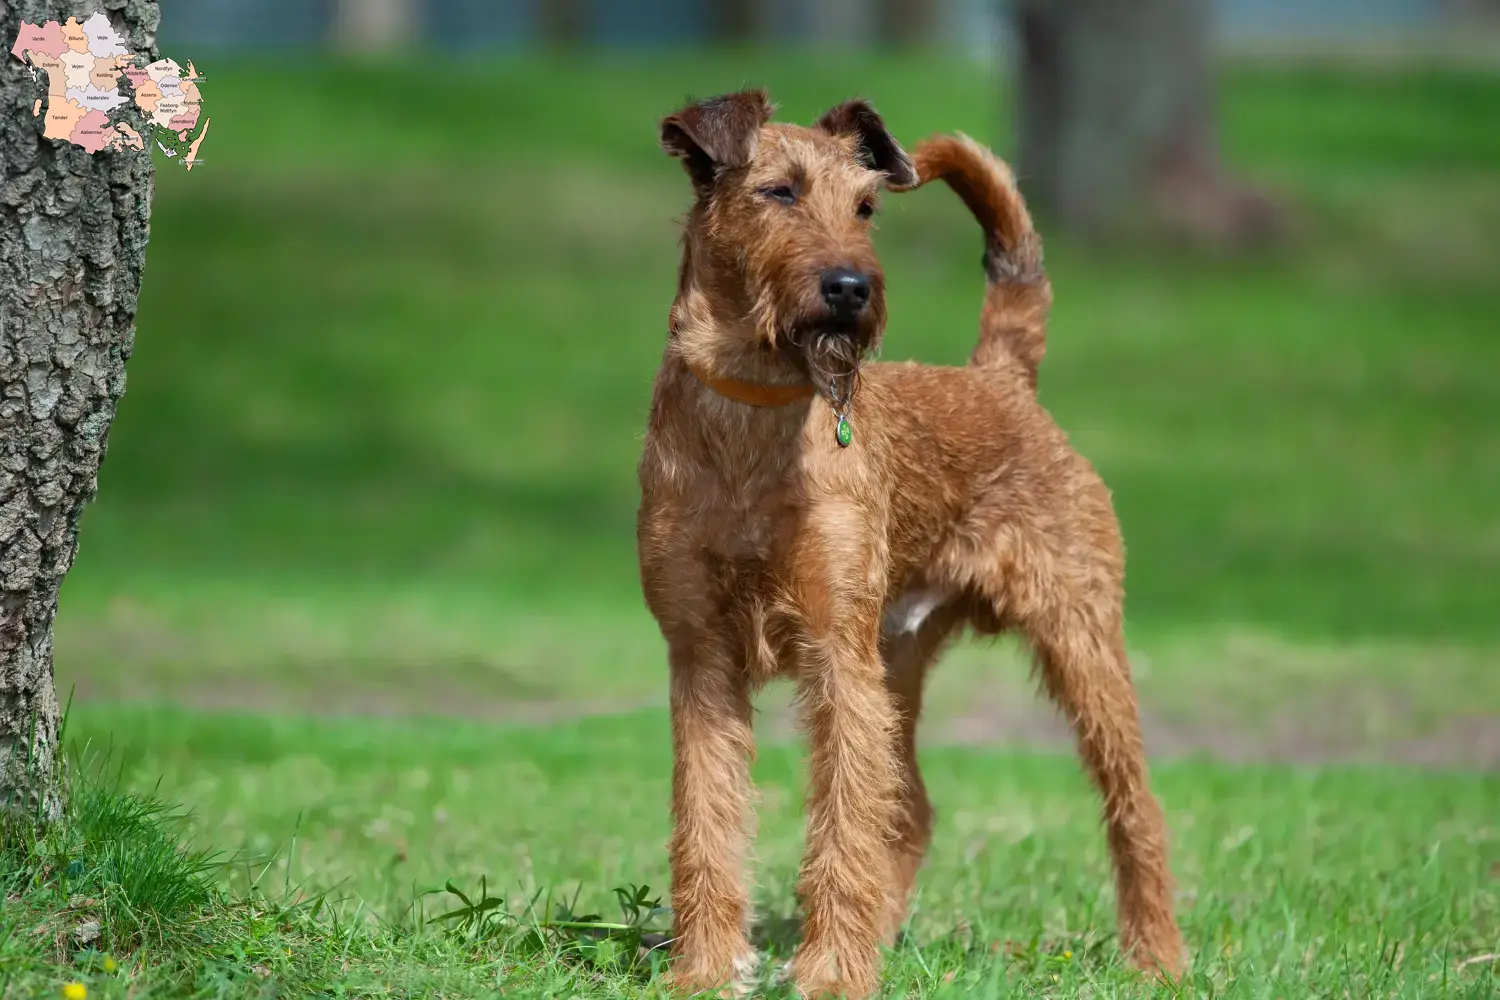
(685, 984)
(1160, 954)
(747, 974)
(1167, 965)
(741, 981)
(817, 975)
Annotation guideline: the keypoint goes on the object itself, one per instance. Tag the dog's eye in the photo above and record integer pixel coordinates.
(866, 209)
(782, 193)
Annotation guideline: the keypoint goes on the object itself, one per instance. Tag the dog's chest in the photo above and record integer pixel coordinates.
(748, 529)
(746, 562)
(720, 533)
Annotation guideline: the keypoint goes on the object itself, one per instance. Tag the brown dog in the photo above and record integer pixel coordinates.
(806, 516)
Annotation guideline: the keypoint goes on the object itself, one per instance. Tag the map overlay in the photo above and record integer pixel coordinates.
(84, 64)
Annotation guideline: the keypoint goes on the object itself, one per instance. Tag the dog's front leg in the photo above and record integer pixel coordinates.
(852, 785)
(712, 741)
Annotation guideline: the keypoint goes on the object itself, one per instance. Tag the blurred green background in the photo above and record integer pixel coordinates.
(398, 333)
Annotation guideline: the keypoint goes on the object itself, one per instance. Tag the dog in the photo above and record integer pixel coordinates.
(805, 514)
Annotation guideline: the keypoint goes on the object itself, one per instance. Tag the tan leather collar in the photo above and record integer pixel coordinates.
(754, 393)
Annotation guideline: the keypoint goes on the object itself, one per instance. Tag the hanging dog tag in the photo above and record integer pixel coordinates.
(844, 432)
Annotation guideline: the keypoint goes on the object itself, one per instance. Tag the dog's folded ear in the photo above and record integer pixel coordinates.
(877, 147)
(719, 133)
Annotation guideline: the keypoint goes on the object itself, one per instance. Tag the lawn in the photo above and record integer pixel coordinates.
(359, 589)
(1293, 882)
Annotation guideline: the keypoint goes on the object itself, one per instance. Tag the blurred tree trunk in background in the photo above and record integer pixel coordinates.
(742, 22)
(1116, 117)
(906, 22)
(842, 24)
(563, 23)
(73, 232)
(375, 25)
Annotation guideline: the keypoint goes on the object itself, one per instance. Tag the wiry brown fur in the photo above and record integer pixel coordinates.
(766, 550)
(1014, 320)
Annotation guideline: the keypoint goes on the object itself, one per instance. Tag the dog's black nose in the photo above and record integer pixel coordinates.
(846, 291)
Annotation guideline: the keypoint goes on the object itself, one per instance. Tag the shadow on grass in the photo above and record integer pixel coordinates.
(777, 934)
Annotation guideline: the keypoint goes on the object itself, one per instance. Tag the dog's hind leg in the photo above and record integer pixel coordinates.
(909, 650)
(1080, 649)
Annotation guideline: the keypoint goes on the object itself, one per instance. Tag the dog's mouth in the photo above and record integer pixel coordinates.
(829, 353)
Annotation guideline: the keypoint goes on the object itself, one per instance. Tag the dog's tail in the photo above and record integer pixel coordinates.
(1013, 323)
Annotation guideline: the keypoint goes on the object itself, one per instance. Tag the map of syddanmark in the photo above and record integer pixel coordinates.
(84, 64)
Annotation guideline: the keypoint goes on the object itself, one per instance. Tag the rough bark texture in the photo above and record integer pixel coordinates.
(73, 230)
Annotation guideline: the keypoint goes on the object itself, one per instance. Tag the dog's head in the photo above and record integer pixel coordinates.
(779, 235)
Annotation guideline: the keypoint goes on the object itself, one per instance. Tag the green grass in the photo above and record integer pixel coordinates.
(374, 474)
(1338, 882)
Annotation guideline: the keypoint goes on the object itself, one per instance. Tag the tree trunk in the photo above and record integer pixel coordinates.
(906, 22)
(375, 25)
(73, 230)
(1116, 116)
(563, 23)
(742, 22)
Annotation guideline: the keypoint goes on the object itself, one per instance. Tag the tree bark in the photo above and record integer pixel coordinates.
(73, 229)
(1117, 115)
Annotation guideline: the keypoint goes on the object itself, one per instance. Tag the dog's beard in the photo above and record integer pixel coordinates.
(830, 358)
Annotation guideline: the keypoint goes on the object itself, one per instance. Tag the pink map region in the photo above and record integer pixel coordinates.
(93, 131)
(46, 38)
